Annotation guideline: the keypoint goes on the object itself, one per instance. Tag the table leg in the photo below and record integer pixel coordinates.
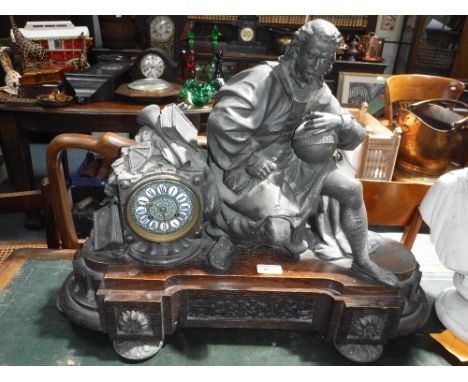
(15, 148)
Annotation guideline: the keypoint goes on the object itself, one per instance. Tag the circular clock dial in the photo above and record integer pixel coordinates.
(247, 34)
(162, 209)
(162, 29)
(152, 65)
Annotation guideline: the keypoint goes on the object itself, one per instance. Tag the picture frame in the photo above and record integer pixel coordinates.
(389, 27)
(355, 88)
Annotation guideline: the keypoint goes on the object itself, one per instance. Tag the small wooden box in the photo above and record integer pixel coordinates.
(379, 149)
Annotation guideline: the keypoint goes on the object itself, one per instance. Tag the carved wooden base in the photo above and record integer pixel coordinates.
(139, 306)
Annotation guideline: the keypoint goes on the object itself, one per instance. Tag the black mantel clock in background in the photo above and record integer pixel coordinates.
(140, 32)
(164, 32)
(247, 36)
(153, 76)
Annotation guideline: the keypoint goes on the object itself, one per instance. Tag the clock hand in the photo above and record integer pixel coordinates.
(163, 210)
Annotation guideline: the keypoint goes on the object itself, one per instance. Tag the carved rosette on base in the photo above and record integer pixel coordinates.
(135, 324)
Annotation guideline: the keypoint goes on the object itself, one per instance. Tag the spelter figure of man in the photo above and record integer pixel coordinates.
(266, 191)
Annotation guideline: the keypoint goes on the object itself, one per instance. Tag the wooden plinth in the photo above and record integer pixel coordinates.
(138, 306)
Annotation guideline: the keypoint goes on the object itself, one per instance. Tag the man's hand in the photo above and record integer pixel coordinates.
(262, 168)
(321, 122)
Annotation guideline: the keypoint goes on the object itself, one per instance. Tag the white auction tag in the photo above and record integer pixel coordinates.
(269, 269)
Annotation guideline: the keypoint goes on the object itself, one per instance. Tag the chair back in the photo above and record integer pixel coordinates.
(409, 88)
(107, 146)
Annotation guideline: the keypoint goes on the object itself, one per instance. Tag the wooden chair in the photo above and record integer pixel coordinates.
(107, 146)
(34, 202)
(395, 204)
(402, 199)
(409, 88)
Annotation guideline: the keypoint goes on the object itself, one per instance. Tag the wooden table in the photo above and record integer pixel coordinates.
(17, 122)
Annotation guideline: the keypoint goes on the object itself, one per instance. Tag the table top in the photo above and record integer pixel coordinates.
(95, 108)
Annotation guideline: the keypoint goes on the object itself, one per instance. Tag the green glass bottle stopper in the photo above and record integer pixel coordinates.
(191, 37)
(215, 37)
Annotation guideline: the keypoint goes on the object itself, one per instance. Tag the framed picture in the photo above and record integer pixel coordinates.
(389, 27)
(356, 88)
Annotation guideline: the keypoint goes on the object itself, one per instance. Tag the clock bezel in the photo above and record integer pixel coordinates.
(169, 71)
(143, 57)
(157, 238)
(156, 40)
(251, 22)
(251, 31)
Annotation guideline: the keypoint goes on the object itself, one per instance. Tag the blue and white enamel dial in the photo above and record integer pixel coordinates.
(162, 209)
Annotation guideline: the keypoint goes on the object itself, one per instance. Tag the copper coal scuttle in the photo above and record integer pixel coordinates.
(370, 47)
(432, 136)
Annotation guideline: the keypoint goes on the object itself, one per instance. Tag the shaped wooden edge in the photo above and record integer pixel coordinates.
(19, 257)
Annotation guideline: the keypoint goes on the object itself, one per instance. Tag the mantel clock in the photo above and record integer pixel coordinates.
(162, 31)
(245, 230)
(154, 63)
(247, 36)
(247, 32)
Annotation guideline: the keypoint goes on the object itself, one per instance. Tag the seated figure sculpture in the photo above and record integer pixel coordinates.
(269, 178)
(272, 135)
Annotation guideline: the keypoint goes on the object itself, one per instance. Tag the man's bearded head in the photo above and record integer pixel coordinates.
(312, 49)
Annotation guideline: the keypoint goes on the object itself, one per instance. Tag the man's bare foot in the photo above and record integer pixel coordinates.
(373, 271)
(294, 251)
